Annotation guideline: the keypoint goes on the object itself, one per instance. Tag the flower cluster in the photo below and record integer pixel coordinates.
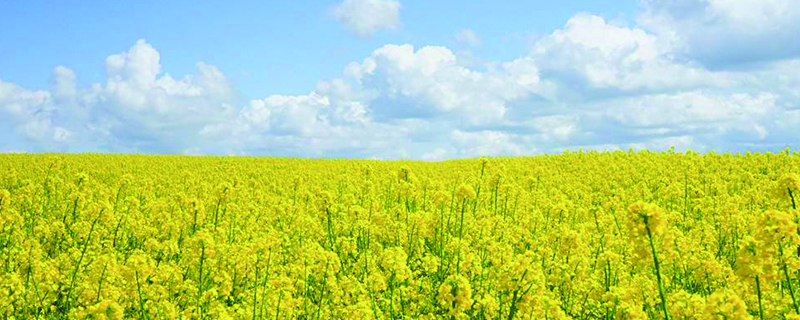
(577, 235)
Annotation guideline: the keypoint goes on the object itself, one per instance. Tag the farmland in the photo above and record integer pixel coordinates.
(577, 235)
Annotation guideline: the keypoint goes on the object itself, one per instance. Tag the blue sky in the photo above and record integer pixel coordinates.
(398, 78)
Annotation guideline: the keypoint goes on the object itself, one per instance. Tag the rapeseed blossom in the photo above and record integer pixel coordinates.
(589, 235)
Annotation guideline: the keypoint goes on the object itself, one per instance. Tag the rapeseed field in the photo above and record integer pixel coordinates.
(578, 235)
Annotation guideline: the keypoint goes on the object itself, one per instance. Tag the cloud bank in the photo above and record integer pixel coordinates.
(592, 84)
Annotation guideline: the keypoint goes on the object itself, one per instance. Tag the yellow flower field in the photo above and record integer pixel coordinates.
(581, 235)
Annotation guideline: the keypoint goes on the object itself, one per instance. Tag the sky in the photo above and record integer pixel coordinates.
(399, 79)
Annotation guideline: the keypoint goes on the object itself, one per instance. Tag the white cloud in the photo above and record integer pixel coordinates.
(693, 108)
(601, 55)
(435, 155)
(720, 33)
(30, 114)
(555, 128)
(136, 88)
(430, 82)
(469, 37)
(21, 103)
(592, 84)
(139, 65)
(137, 109)
(288, 115)
(711, 119)
(365, 17)
(488, 143)
(350, 105)
(65, 83)
(145, 105)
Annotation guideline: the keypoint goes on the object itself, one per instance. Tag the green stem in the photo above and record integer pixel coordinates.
(330, 227)
(80, 260)
(278, 309)
(100, 284)
(788, 280)
(200, 276)
(760, 307)
(141, 302)
(194, 222)
(461, 227)
(255, 288)
(658, 269)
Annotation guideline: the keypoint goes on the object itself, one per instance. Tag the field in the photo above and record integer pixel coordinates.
(581, 235)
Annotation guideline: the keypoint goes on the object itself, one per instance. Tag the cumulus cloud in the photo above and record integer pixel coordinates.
(592, 54)
(288, 115)
(693, 108)
(591, 84)
(144, 105)
(138, 108)
(136, 88)
(430, 82)
(65, 83)
(28, 115)
(366, 17)
(725, 33)
(489, 143)
(558, 128)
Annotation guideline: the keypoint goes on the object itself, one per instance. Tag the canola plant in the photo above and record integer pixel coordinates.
(578, 235)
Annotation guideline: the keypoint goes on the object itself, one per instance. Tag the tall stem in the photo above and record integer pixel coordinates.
(255, 287)
(80, 260)
(658, 269)
(461, 226)
(139, 289)
(760, 307)
(788, 280)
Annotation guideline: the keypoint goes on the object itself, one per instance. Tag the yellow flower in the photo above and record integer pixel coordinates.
(464, 192)
(395, 262)
(643, 216)
(455, 295)
(5, 198)
(726, 304)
